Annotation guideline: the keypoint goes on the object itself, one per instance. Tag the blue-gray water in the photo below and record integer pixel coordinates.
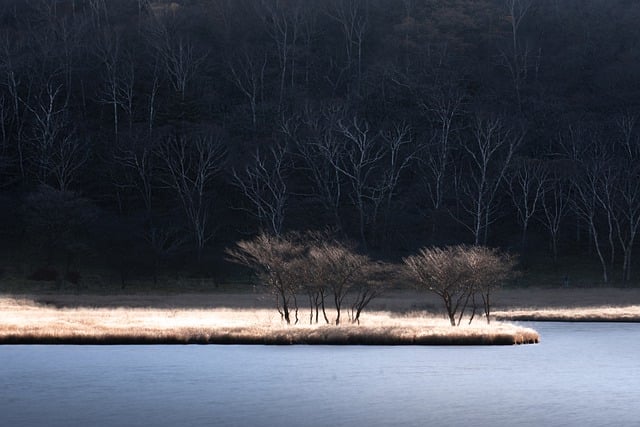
(581, 374)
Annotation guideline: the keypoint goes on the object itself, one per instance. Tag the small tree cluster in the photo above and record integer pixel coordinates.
(459, 274)
(322, 268)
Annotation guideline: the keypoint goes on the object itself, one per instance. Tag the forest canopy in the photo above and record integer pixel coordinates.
(165, 131)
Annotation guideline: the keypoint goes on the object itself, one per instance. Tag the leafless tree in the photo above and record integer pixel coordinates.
(526, 186)
(5, 158)
(118, 76)
(58, 153)
(341, 269)
(490, 269)
(277, 261)
(191, 163)
(359, 163)
(371, 164)
(592, 166)
(283, 22)
(489, 152)
(444, 272)
(263, 182)
(457, 273)
(626, 206)
(352, 17)
(444, 107)
(19, 85)
(153, 94)
(139, 169)
(555, 201)
(180, 58)
(516, 58)
(374, 281)
(319, 147)
(248, 73)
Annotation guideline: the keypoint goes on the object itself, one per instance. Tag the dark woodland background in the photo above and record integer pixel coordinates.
(139, 139)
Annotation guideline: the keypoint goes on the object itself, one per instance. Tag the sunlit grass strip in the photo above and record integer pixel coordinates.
(589, 314)
(25, 322)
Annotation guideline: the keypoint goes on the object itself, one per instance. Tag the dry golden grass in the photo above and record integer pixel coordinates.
(24, 321)
(582, 314)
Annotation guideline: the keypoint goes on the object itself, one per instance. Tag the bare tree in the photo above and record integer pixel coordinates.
(263, 183)
(489, 152)
(17, 91)
(277, 261)
(626, 206)
(372, 284)
(516, 59)
(457, 273)
(6, 160)
(191, 162)
(138, 169)
(401, 152)
(591, 165)
(445, 273)
(556, 200)
(248, 73)
(118, 77)
(444, 107)
(526, 186)
(341, 269)
(320, 149)
(57, 152)
(490, 269)
(359, 163)
(180, 59)
(352, 17)
(283, 22)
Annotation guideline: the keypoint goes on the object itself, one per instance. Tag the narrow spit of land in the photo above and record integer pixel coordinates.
(402, 317)
(23, 322)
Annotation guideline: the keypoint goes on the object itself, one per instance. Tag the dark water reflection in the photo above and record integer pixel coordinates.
(581, 374)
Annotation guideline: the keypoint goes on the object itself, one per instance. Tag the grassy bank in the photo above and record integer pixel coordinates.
(248, 317)
(23, 321)
(584, 314)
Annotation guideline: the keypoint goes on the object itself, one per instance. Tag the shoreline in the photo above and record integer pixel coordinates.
(401, 317)
(23, 321)
(326, 335)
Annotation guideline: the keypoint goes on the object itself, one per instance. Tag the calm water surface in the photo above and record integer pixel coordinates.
(581, 374)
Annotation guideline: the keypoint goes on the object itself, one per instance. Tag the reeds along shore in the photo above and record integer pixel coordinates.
(586, 314)
(25, 322)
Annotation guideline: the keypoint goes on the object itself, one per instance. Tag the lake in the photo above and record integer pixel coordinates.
(580, 374)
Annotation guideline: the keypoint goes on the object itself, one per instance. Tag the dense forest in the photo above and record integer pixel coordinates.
(144, 137)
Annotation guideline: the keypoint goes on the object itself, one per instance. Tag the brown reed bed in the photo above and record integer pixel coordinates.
(630, 313)
(23, 321)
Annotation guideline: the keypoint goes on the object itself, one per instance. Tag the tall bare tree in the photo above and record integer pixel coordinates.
(555, 201)
(248, 75)
(283, 22)
(353, 19)
(319, 148)
(489, 152)
(264, 183)
(181, 60)
(627, 190)
(57, 152)
(526, 186)
(516, 58)
(118, 76)
(191, 163)
(443, 107)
